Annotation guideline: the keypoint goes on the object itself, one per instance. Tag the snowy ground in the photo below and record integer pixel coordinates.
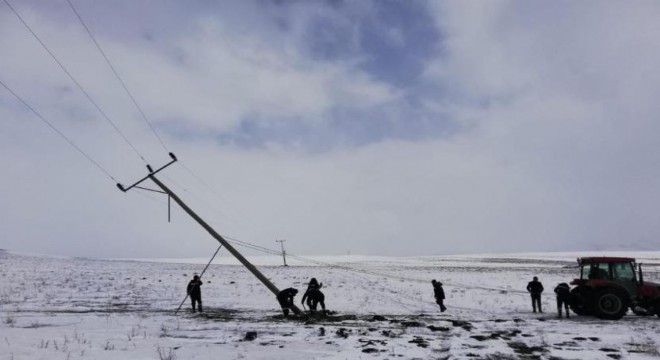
(71, 308)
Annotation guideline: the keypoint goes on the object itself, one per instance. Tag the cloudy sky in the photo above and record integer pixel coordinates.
(379, 128)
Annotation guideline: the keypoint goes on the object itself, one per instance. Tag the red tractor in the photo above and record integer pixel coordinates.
(608, 286)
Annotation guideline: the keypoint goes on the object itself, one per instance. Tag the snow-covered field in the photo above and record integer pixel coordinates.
(71, 308)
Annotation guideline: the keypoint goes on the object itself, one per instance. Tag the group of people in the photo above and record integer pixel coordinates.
(534, 287)
(313, 296)
(562, 291)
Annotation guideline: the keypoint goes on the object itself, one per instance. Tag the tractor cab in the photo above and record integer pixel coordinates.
(609, 271)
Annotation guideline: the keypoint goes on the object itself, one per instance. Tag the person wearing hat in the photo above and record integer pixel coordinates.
(439, 294)
(195, 292)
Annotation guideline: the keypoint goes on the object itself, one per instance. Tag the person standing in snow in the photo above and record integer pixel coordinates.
(314, 296)
(285, 298)
(535, 288)
(563, 292)
(195, 292)
(439, 294)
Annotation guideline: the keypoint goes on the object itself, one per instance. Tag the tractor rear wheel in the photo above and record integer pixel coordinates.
(580, 300)
(610, 304)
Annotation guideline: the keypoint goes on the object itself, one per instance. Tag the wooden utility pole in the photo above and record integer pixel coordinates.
(208, 228)
(283, 252)
(218, 237)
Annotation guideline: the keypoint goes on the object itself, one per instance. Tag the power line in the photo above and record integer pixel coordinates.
(58, 132)
(321, 263)
(145, 118)
(123, 84)
(114, 71)
(218, 195)
(137, 105)
(196, 197)
(359, 270)
(66, 71)
(251, 246)
(203, 201)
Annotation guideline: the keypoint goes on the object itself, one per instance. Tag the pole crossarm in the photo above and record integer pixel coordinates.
(151, 172)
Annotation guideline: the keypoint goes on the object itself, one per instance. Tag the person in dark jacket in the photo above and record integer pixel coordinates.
(535, 288)
(439, 294)
(195, 292)
(563, 292)
(314, 296)
(285, 298)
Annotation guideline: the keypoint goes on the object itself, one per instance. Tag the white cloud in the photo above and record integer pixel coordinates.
(555, 94)
(558, 147)
(222, 78)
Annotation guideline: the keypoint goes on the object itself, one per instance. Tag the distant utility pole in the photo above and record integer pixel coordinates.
(283, 252)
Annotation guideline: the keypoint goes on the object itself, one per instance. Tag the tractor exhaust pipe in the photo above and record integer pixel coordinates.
(641, 275)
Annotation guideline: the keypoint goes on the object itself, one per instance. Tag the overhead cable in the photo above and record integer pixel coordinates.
(66, 71)
(219, 196)
(57, 131)
(195, 196)
(114, 71)
(134, 100)
(359, 270)
(321, 263)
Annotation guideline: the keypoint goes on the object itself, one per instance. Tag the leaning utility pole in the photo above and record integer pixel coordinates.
(283, 252)
(206, 227)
